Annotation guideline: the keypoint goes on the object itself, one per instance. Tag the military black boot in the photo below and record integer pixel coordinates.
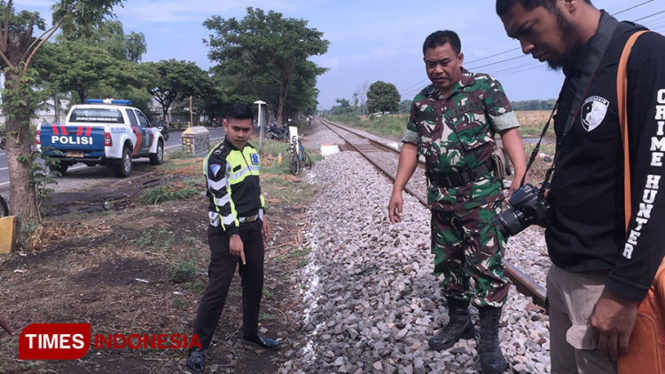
(459, 326)
(491, 358)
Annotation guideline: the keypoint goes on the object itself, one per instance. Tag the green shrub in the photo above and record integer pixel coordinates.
(166, 193)
(183, 271)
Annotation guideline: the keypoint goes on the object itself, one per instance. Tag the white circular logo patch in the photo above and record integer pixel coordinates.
(593, 112)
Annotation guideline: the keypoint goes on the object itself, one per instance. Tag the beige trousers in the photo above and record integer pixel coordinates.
(571, 298)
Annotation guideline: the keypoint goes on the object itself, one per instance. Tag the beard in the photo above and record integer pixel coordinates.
(568, 32)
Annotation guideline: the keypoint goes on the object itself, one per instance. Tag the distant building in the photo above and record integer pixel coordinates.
(46, 112)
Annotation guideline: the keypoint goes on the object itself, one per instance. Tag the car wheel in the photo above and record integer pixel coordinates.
(124, 166)
(157, 157)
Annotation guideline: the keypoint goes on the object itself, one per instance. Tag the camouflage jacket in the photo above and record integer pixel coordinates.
(456, 133)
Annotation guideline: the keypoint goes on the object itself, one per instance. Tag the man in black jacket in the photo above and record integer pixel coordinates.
(599, 273)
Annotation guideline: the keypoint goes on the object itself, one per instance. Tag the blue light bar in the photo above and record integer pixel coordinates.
(108, 101)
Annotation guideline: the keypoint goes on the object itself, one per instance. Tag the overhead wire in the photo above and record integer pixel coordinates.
(523, 67)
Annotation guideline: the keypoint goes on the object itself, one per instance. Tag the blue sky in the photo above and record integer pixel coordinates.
(369, 40)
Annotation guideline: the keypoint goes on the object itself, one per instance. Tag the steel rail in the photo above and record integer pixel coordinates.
(524, 284)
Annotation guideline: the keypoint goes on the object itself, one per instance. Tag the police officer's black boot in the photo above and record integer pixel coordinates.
(459, 326)
(491, 358)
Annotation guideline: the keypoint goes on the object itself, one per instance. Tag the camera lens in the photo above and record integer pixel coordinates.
(511, 222)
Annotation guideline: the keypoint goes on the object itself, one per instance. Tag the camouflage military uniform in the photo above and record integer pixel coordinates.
(455, 134)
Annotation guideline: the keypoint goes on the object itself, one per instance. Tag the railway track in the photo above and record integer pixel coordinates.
(372, 149)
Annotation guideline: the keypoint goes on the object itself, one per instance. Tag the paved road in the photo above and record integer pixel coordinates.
(174, 143)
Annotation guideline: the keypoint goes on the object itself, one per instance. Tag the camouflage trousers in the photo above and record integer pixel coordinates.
(467, 246)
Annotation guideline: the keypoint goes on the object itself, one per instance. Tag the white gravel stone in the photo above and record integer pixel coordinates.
(370, 299)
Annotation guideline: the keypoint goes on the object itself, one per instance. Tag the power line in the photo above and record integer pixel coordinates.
(494, 55)
(507, 70)
(649, 16)
(498, 62)
(417, 84)
(632, 7)
(518, 48)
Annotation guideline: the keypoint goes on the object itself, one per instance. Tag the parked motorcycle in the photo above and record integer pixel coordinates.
(164, 129)
(277, 133)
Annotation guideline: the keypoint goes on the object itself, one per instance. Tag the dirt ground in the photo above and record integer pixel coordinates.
(124, 267)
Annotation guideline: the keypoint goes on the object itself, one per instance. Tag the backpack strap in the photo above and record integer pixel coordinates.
(622, 98)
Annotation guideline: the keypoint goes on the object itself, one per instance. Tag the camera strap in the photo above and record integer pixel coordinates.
(536, 149)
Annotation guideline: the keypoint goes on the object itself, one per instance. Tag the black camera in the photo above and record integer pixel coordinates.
(526, 208)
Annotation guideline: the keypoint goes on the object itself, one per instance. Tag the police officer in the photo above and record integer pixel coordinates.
(237, 229)
(452, 124)
(599, 272)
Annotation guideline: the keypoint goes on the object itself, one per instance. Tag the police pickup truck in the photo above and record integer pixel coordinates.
(105, 132)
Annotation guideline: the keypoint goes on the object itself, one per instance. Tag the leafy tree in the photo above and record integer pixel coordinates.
(382, 97)
(79, 67)
(227, 89)
(405, 106)
(110, 35)
(267, 47)
(344, 107)
(176, 80)
(18, 47)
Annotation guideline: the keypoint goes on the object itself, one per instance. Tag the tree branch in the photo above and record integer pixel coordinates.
(44, 37)
(41, 42)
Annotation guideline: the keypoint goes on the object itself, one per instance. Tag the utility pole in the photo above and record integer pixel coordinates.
(191, 112)
(259, 103)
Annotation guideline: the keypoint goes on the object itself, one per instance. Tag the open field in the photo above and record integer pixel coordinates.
(532, 122)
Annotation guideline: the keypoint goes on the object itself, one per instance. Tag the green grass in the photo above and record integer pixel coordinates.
(156, 239)
(178, 155)
(391, 125)
(346, 118)
(180, 303)
(161, 194)
(532, 132)
(197, 286)
(300, 252)
(267, 317)
(183, 271)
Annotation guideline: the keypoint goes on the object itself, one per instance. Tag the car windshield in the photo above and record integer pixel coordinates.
(96, 115)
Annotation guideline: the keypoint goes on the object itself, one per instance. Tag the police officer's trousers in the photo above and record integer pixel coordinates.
(220, 272)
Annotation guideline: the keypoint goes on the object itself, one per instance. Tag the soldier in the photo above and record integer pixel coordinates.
(452, 124)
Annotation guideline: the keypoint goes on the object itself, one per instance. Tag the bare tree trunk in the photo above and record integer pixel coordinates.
(283, 89)
(280, 107)
(23, 198)
(56, 108)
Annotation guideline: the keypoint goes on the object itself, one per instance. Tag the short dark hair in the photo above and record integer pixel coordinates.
(239, 111)
(438, 38)
(504, 6)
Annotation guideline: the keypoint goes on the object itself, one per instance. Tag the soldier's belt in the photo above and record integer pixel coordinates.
(462, 178)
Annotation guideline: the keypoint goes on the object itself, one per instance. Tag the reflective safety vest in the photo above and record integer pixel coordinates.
(232, 185)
